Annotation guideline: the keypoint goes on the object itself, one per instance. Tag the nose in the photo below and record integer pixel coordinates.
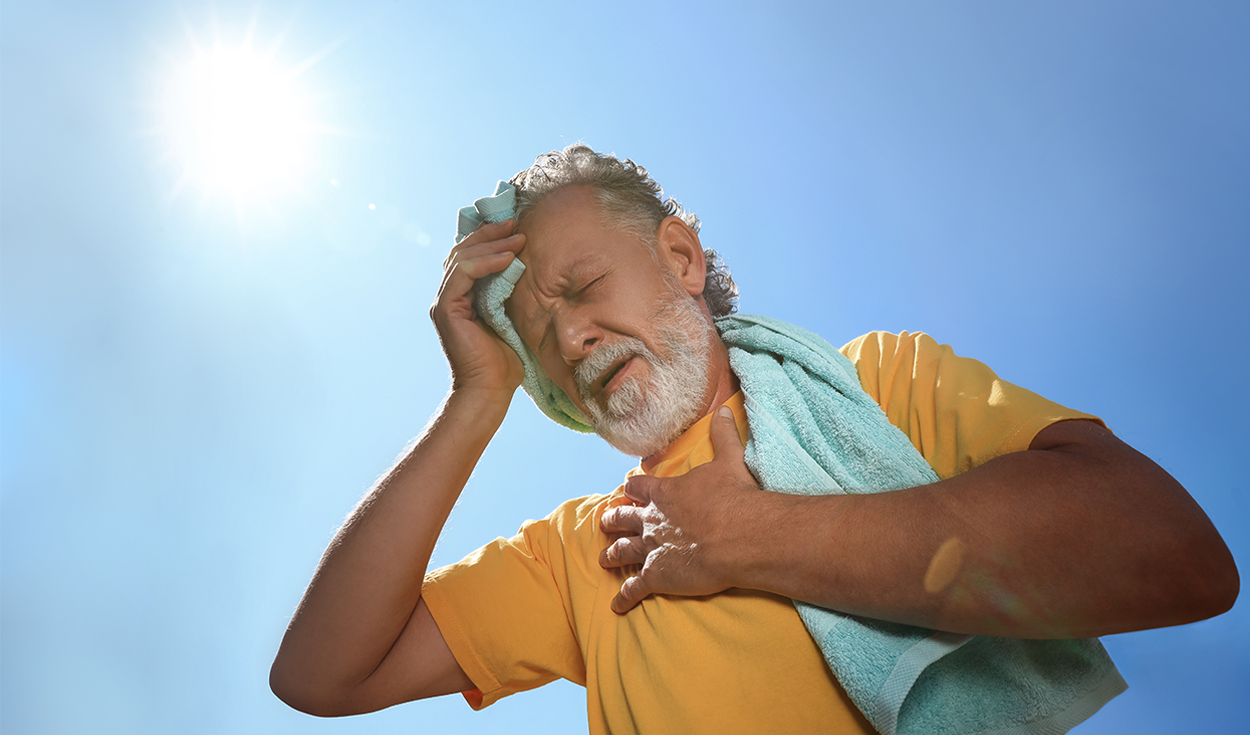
(577, 338)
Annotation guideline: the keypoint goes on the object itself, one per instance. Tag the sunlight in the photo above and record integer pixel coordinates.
(247, 125)
(237, 123)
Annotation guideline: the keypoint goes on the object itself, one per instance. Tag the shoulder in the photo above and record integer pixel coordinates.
(883, 347)
(884, 358)
(956, 410)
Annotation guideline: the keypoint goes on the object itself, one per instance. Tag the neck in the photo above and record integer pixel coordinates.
(722, 383)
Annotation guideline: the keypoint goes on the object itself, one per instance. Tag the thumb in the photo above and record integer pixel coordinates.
(638, 488)
(726, 441)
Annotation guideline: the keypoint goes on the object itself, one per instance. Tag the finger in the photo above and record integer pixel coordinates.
(468, 266)
(623, 552)
(453, 300)
(508, 241)
(461, 254)
(640, 487)
(633, 591)
(726, 440)
(480, 263)
(622, 519)
(469, 249)
(490, 231)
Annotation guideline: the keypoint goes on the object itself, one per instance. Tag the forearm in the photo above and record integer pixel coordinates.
(1065, 542)
(368, 582)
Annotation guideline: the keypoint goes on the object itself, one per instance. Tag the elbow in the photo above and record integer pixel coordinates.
(298, 693)
(1220, 587)
(1208, 583)
(288, 688)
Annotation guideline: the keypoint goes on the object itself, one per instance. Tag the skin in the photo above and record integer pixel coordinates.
(1037, 523)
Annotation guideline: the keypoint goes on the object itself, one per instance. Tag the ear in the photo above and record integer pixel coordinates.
(679, 249)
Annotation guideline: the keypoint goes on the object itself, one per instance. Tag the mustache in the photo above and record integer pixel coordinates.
(603, 357)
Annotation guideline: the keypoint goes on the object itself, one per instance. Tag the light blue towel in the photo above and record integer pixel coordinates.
(815, 431)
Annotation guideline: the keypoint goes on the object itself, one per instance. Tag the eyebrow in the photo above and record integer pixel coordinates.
(571, 271)
(581, 261)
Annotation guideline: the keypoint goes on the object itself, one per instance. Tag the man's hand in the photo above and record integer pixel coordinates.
(479, 360)
(683, 529)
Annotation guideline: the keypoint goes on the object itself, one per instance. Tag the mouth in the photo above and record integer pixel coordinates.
(605, 381)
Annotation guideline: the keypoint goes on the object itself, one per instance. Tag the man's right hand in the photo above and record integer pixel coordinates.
(479, 359)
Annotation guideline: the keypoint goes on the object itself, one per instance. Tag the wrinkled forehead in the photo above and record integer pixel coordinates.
(561, 233)
(554, 269)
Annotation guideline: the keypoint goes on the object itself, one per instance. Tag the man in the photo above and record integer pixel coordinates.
(1043, 524)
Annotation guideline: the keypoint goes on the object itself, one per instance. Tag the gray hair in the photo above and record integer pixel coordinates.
(628, 198)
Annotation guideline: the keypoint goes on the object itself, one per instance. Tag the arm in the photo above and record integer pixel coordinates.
(361, 638)
(1078, 536)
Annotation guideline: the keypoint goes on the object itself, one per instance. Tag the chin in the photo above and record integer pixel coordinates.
(648, 430)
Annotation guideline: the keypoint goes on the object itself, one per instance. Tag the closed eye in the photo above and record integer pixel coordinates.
(589, 286)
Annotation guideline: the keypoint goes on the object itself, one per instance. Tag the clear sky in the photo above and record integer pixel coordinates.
(214, 324)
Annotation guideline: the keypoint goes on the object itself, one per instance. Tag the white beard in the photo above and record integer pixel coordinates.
(645, 414)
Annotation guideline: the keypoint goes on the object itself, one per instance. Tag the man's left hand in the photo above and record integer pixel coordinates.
(683, 530)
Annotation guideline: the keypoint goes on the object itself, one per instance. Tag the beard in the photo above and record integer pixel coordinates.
(646, 413)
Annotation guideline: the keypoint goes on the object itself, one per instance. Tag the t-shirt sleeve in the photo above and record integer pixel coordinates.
(504, 610)
(955, 410)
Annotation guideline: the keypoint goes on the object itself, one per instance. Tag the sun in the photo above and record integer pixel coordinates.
(238, 123)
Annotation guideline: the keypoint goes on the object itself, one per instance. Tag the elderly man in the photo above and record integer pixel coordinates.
(672, 599)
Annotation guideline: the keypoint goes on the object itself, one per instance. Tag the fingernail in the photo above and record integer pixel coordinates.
(725, 412)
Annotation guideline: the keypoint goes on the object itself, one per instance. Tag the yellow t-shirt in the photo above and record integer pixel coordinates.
(521, 612)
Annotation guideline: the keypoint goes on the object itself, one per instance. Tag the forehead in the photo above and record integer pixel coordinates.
(565, 233)
(567, 245)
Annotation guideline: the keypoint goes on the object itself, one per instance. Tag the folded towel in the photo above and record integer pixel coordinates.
(813, 430)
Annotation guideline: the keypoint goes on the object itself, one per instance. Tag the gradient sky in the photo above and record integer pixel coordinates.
(200, 375)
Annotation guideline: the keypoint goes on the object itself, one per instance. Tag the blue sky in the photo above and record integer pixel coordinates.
(199, 377)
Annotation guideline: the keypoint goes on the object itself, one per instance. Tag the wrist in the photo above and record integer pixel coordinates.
(488, 405)
(748, 555)
(781, 540)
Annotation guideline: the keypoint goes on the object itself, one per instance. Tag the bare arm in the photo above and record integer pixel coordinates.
(1079, 536)
(361, 638)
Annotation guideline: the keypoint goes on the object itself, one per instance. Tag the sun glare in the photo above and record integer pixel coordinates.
(238, 124)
